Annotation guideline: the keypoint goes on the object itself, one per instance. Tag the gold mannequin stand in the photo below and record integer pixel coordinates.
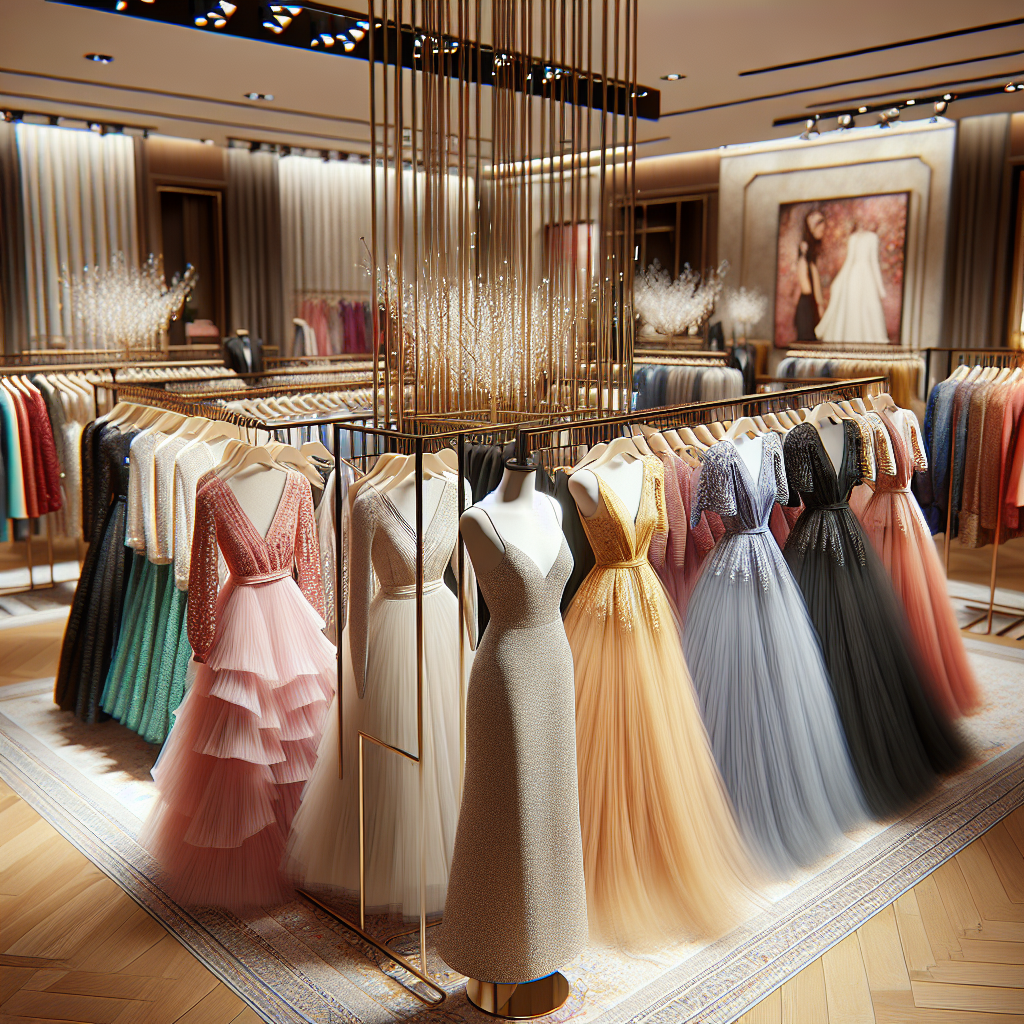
(519, 1002)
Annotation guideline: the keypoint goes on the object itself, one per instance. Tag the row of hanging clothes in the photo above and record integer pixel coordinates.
(126, 651)
(329, 326)
(904, 370)
(975, 445)
(678, 381)
(42, 416)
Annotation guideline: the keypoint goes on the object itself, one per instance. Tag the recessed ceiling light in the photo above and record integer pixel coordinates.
(120, 5)
(674, 77)
(266, 97)
(99, 58)
(910, 103)
(862, 110)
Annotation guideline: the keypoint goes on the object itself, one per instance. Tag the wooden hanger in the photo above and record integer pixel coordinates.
(745, 424)
(655, 441)
(704, 435)
(387, 464)
(717, 430)
(624, 446)
(433, 466)
(640, 441)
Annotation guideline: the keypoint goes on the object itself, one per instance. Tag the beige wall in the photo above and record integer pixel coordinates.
(918, 160)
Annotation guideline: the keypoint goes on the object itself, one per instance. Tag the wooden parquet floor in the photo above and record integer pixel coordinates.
(949, 951)
(75, 948)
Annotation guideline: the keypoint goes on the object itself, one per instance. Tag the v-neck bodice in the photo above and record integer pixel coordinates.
(617, 540)
(221, 521)
(809, 468)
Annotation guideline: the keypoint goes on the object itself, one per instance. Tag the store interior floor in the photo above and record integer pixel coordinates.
(75, 947)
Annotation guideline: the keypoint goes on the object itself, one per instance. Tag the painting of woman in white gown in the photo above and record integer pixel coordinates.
(840, 270)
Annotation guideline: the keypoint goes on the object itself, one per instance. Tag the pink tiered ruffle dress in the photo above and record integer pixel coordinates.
(244, 740)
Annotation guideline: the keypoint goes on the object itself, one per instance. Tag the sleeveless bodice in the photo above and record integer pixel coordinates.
(617, 542)
(518, 594)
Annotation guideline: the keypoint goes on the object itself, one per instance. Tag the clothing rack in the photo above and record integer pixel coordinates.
(557, 442)
(973, 356)
(981, 357)
(881, 355)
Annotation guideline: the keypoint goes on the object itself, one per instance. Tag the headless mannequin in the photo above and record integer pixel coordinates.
(751, 451)
(833, 438)
(513, 510)
(259, 490)
(403, 496)
(624, 474)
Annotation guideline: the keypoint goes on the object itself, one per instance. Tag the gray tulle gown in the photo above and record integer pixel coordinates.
(760, 675)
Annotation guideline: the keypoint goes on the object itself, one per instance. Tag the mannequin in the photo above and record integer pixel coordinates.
(750, 450)
(833, 437)
(258, 489)
(515, 910)
(512, 509)
(623, 473)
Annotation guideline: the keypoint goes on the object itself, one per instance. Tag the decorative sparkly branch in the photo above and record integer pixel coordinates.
(674, 307)
(747, 307)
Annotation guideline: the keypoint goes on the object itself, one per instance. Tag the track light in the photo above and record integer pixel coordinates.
(277, 17)
(845, 121)
(940, 106)
(100, 58)
(213, 14)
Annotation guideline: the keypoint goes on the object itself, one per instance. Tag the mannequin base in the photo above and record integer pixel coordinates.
(519, 1002)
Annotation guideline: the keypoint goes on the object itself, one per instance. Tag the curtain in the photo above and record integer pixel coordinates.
(13, 299)
(326, 226)
(79, 209)
(254, 245)
(978, 234)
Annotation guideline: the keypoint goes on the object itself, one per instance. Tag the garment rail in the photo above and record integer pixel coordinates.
(983, 357)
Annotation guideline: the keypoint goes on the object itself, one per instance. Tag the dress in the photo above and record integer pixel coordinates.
(245, 737)
(379, 698)
(662, 853)
(517, 904)
(91, 635)
(893, 521)
(900, 743)
(759, 673)
(854, 311)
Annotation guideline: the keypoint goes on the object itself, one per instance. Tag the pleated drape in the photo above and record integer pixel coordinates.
(78, 208)
(326, 226)
(13, 297)
(975, 284)
(255, 284)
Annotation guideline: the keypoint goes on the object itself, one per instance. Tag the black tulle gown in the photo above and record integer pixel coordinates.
(899, 741)
(95, 617)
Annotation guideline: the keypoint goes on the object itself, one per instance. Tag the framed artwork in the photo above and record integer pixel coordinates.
(840, 269)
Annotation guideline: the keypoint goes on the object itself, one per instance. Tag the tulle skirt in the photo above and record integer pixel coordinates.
(323, 848)
(895, 524)
(768, 706)
(242, 747)
(662, 853)
(899, 741)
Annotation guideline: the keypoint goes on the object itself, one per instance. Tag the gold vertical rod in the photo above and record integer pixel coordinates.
(377, 291)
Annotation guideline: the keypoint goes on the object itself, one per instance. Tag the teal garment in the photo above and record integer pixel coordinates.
(126, 634)
(154, 725)
(152, 616)
(181, 663)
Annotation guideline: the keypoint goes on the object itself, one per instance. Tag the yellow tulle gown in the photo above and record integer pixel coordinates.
(662, 854)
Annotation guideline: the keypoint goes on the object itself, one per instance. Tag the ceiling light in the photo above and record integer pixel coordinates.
(120, 5)
(674, 77)
(940, 106)
(947, 97)
(266, 97)
(100, 58)
(278, 17)
(206, 142)
(910, 103)
(1009, 87)
(348, 45)
(862, 110)
(845, 121)
(357, 34)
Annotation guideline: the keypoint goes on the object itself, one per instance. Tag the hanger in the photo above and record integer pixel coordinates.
(704, 435)
(884, 403)
(819, 413)
(619, 446)
(744, 425)
(386, 465)
(286, 455)
(433, 466)
(640, 441)
(655, 441)
(717, 430)
(774, 423)
(318, 449)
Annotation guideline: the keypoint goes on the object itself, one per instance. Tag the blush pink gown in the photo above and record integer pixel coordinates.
(244, 740)
(896, 526)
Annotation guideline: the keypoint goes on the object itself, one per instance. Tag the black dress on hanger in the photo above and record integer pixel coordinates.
(234, 351)
(900, 743)
(95, 617)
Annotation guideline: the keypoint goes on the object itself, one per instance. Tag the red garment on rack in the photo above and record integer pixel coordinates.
(47, 463)
(28, 463)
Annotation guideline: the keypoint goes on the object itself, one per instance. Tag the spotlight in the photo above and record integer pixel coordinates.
(845, 121)
(910, 103)
(940, 106)
(266, 97)
(120, 5)
(277, 17)
(947, 97)
(862, 110)
(212, 12)
(100, 58)
(1009, 87)
(674, 77)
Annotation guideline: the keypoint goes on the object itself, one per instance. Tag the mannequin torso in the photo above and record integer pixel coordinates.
(513, 512)
(751, 451)
(623, 473)
(258, 490)
(833, 438)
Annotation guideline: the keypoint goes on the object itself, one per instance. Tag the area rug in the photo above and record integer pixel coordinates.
(296, 963)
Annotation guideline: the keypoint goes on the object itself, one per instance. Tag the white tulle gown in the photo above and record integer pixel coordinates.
(378, 693)
(855, 310)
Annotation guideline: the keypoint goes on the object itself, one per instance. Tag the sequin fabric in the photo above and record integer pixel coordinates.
(621, 546)
(164, 510)
(743, 504)
(141, 527)
(189, 465)
(221, 521)
(825, 493)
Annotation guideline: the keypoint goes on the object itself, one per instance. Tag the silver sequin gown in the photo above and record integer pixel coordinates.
(517, 904)
(760, 675)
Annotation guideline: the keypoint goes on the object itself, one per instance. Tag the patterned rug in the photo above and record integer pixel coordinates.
(295, 963)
